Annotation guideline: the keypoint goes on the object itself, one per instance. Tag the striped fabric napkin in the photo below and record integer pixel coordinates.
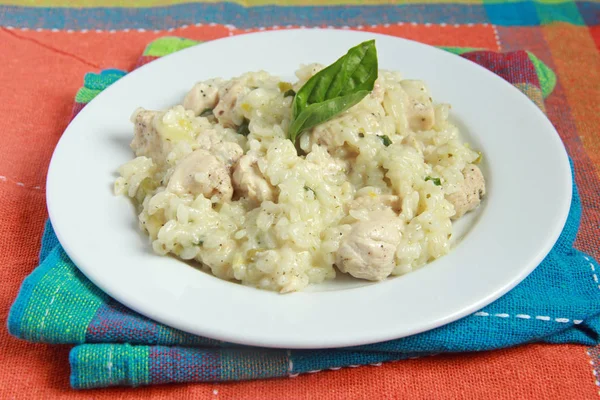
(558, 303)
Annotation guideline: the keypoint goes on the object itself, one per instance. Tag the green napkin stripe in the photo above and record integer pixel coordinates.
(102, 365)
(167, 45)
(54, 321)
(459, 50)
(546, 76)
(85, 95)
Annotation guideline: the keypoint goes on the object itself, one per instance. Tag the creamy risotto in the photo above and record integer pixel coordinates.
(371, 192)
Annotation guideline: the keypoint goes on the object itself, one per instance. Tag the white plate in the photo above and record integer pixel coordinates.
(525, 163)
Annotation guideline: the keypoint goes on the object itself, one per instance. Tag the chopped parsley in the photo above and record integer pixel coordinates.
(436, 181)
(310, 189)
(385, 139)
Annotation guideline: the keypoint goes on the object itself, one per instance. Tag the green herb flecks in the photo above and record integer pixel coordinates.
(436, 181)
(311, 190)
(385, 139)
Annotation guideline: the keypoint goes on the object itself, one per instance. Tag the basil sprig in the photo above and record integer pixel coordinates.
(334, 89)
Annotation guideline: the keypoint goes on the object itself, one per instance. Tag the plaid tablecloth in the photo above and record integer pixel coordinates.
(47, 46)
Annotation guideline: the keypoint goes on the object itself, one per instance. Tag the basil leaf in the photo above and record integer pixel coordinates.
(355, 71)
(386, 140)
(436, 181)
(318, 113)
(335, 89)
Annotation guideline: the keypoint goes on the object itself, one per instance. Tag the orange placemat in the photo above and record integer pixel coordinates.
(40, 72)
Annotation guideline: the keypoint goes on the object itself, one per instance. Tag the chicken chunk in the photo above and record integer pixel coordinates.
(419, 108)
(147, 141)
(330, 134)
(203, 96)
(215, 142)
(225, 110)
(325, 135)
(249, 181)
(469, 194)
(227, 152)
(369, 249)
(208, 138)
(201, 173)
